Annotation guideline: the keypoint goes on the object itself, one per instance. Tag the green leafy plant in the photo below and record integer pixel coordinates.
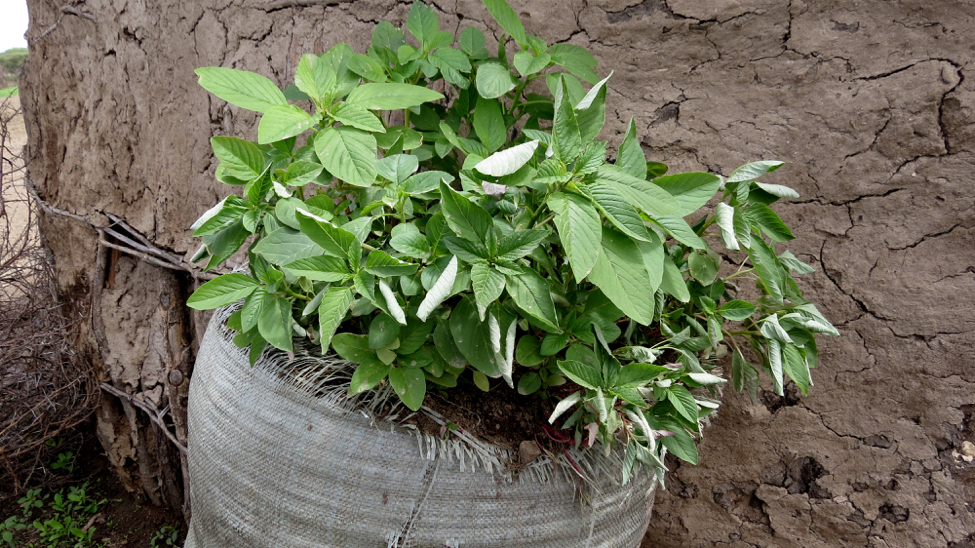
(167, 535)
(478, 233)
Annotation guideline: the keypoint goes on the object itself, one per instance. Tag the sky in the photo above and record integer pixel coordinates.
(13, 24)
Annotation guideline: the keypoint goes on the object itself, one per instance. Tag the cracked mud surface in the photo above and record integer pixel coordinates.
(872, 104)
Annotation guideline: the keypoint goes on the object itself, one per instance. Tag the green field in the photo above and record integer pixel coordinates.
(8, 92)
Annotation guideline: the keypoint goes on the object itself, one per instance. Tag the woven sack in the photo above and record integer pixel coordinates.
(278, 457)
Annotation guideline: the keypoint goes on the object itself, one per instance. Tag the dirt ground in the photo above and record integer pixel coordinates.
(870, 103)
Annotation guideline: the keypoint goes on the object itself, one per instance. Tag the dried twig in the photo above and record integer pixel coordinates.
(156, 415)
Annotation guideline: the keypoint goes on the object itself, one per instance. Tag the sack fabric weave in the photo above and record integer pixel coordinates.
(278, 457)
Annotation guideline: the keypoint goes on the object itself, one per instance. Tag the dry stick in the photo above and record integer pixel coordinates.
(155, 415)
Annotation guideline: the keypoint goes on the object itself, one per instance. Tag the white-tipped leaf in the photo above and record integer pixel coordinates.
(395, 310)
(586, 101)
(725, 215)
(508, 161)
(440, 290)
(565, 405)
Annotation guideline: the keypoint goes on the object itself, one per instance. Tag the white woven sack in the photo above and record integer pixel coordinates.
(279, 458)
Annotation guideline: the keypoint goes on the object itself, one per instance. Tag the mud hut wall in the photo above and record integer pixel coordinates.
(872, 104)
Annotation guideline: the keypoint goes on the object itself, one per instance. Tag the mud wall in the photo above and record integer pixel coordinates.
(872, 104)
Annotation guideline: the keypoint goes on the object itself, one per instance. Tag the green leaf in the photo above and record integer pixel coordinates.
(692, 190)
(472, 42)
(221, 291)
(582, 374)
(576, 60)
(743, 230)
(754, 170)
(507, 19)
(219, 217)
(274, 322)
(367, 376)
(244, 89)
(331, 311)
(778, 190)
(579, 229)
(767, 267)
(650, 198)
(489, 125)
(239, 158)
(527, 63)
(553, 343)
(743, 375)
(410, 385)
(681, 444)
(464, 217)
(793, 263)
(531, 294)
(282, 122)
(527, 351)
(620, 273)
(422, 23)
(284, 246)
(367, 67)
(635, 375)
(630, 157)
(398, 167)
(382, 331)
(319, 269)
(225, 243)
(703, 267)
(335, 241)
(452, 63)
(385, 35)
(795, 366)
(683, 402)
(300, 173)
(354, 348)
(488, 284)
(529, 383)
(725, 216)
(315, 77)
(519, 243)
(680, 230)
(493, 80)
(771, 224)
(348, 153)
(426, 181)
(618, 210)
(442, 289)
(381, 264)
(737, 310)
(358, 117)
(472, 338)
(391, 96)
(508, 161)
(406, 239)
(775, 365)
(591, 112)
(566, 137)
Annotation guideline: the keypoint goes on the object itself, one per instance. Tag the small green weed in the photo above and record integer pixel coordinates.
(67, 522)
(167, 535)
(9, 92)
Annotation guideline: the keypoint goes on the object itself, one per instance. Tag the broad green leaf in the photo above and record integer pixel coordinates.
(682, 400)
(300, 173)
(582, 374)
(440, 290)
(466, 250)
(529, 383)
(367, 376)
(630, 157)
(320, 269)
(775, 365)
(653, 254)
(493, 80)
(225, 243)
(591, 112)
(576, 59)
(406, 239)
(680, 230)
(771, 329)
(567, 403)
(359, 228)
(348, 153)
(743, 230)
(219, 217)
(335, 241)
(468, 146)
(528, 63)
(472, 338)
(410, 385)
(381, 264)
(507, 19)
(566, 137)
(274, 322)
(222, 290)
(743, 375)
(472, 41)
(464, 217)
(725, 216)
(391, 96)
(618, 210)
(579, 229)
(358, 117)
(737, 310)
(793, 263)
(703, 267)
(754, 170)
(367, 67)
(443, 340)
(331, 311)
(452, 64)
(621, 275)
(519, 243)
(244, 89)
(771, 224)
(650, 198)
(553, 343)
(681, 444)
(487, 284)
(507, 161)
(387, 36)
(692, 190)
(413, 336)
(422, 23)
(352, 347)
(315, 77)
(284, 245)
(795, 366)
(655, 169)
(392, 303)
(398, 167)
(239, 158)
(282, 122)
(489, 125)
(767, 267)
(531, 294)
(527, 351)
(426, 181)
(383, 331)
(778, 190)
(638, 374)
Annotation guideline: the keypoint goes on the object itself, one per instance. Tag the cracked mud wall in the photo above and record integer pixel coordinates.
(872, 104)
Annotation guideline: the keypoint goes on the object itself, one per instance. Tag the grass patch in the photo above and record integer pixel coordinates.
(9, 92)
